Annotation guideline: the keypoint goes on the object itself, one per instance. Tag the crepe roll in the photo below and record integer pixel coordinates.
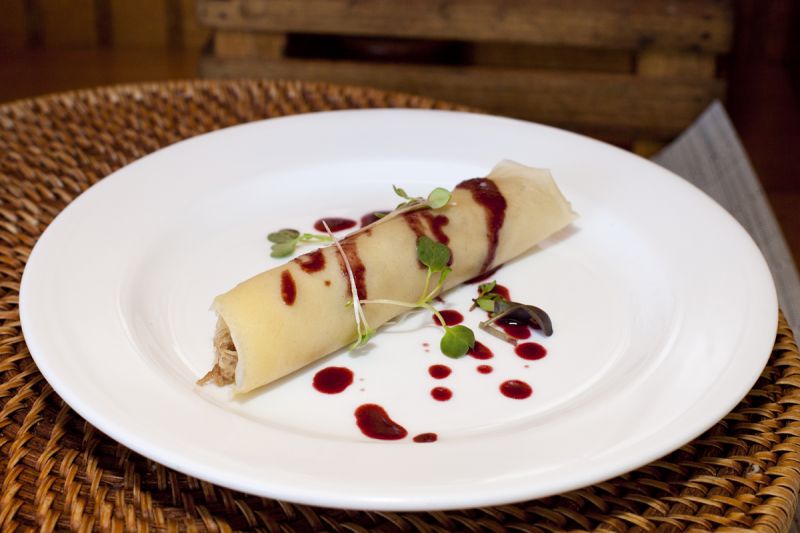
(285, 318)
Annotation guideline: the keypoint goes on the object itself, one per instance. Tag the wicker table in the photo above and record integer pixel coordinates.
(58, 472)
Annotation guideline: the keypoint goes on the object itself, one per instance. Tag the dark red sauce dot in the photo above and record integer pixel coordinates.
(372, 216)
(480, 351)
(333, 379)
(288, 289)
(426, 437)
(374, 422)
(485, 369)
(530, 351)
(516, 389)
(515, 329)
(451, 317)
(441, 394)
(439, 371)
(334, 223)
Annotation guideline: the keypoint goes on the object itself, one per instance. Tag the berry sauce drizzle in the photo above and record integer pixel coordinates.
(480, 351)
(515, 329)
(375, 423)
(426, 437)
(439, 371)
(288, 288)
(311, 262)
(333, 379)
(451, 317)
(531, 351)
(334, 223)
(441, 394)
(483, 276)
(516, 389)
(372, 216)
(485, 193)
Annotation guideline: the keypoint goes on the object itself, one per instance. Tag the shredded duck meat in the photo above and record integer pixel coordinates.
(225, 366)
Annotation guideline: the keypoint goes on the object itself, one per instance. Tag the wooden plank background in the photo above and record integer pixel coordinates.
(631, 72)
(87, 24)
(615, 104)
(689, 25)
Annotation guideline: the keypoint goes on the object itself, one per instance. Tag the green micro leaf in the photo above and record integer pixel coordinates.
(457, 341)
(486, 302)
(284, 235)
(486, 288)
(432, 254)
(438, 198)
(400, 192)
(283, 249)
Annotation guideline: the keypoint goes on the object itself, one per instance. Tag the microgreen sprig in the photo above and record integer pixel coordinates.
(438, 198)
(457, 340)
(499, 308)
(363, 331)
(486, 297)
(286, 241)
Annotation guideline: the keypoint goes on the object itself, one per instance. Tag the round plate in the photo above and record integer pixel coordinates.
(664, 314)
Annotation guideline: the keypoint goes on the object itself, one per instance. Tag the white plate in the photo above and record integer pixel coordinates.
(664, 312)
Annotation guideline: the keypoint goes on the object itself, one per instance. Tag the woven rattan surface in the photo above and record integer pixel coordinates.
(58, 472)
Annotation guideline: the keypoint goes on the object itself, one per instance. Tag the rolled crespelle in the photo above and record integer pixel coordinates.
(263, 329)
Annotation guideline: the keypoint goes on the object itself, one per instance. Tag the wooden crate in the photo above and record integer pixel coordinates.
(630, 71)
(92, 24)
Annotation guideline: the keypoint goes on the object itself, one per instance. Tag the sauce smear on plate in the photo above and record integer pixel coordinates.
(426, 437)
(451, 317)
(375, 423)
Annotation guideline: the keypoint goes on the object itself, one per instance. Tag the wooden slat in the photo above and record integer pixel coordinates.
(638, 107)
(194, 35)
(675, 24)
(234, 44)
(667, 64)
(13, 25)
(552, 57)
(142, 23)
(173, 19)
(68, 23)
